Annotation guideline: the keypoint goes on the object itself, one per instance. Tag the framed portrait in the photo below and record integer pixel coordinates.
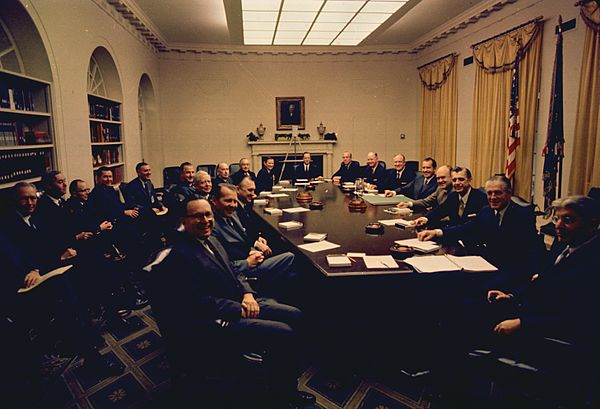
(290, 111)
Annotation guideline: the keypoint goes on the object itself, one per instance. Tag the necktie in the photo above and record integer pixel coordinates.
(461, 207)
(563, 255)
(306, 168)
(397, 174)
(61, 203)
(210, 248)
(498, 218)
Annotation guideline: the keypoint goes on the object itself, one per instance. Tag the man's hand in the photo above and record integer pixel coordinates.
(389, 193)
(420, 221)
(336, 179)
(84, 235)
(255, 258)
(31, 278)
(105, 226)
(133, 213)
(156, 211)
(427, 235)
(261, 245)
(69, 253)
(403, 205)
(508, 327)
(250, 308)
(497, 295)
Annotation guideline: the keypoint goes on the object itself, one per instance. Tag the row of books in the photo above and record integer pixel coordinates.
(16, 98)
(20, 133)
(105, 111)
(118, 174)
(16, 166)
(105, 156)
(105, 132)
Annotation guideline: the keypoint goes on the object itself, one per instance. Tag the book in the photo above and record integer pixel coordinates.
(318, 246)
(338, 260)
(291, 225)
(448, 262)
(56, 272)
(273, 211)
(422, 246)
(315, 237)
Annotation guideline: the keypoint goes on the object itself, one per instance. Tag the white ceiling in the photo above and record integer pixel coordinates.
(196, 23)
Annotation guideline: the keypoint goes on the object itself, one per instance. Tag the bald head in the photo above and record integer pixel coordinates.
(443, 176)
(223, 170)
(372, 159)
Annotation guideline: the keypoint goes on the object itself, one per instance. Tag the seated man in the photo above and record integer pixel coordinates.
(399, 176)
(141, 193)
(438, 197)
(195, 285)
(503, 232)
(222, 174)
(374, 173)
(246, 193)
(266, 177)
(462, 204)
(349, 169)
(250, 258)
(306, 169)
(203, 185)
(243, 172)
(184, 188)
(423, 185)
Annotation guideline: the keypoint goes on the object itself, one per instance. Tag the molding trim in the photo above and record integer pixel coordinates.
(128, 13)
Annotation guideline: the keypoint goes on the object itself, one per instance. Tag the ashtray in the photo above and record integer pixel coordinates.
(401, 252)
(374, 228)
(310, 186)
(316, 205)
(303, 196)
(357, 205)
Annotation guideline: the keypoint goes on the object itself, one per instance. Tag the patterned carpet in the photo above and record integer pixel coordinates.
(145, 382)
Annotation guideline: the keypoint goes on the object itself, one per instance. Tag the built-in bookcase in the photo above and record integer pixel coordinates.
(105, 134)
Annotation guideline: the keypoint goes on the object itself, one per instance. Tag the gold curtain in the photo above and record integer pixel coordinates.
(585, 162)
(438, 110)
(491, 101)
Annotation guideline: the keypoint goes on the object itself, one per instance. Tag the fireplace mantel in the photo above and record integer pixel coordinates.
(262, 148)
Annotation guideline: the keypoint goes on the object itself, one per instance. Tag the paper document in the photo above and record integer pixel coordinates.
(315, 236)
(356, 255)
(388, 222)
(472, 263)
(289, 189)
(296, 210)
(291, 225)
(404, 223)
(273, 210)
(448, 262)
(338, 260)
(264, 193)
(380, 262)
(273, 195)
(50, 274)
(261, 201)
(318, 246)
(422, 246)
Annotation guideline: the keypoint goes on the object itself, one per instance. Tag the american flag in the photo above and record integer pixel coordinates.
(513, 122)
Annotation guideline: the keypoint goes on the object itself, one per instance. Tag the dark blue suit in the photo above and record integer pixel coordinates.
(375, 176)
(265, 180)
(300, 171)
(449, 209)
(237, 177)
(142, 195)
(392, 181)
(417, 189)
(348, 173)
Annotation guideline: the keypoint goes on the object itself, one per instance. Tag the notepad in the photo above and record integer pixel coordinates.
(380, 262)
(338, 260)
(265, 193)
(273, 210)
(48, 275)
(315, 236)
(274, 195)
(291, 225)
(356, 255)
(318, 246)
(447, 262)
(296, 210)
(289, 189)
(422, 246)
(388, 222)
(261, 201)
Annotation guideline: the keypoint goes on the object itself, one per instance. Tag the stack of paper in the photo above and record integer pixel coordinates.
(261, 201)
(296, 210)
(380, 262)
(422, 246)
(318, 246)
(315, 236)
(338, 260)
(273, 210)
(291, 225)
(289, 189)
(274, 195)
(388, 222)
(448, 262)
(264, 193)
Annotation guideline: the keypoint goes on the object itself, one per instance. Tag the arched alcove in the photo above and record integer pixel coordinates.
(152, 149)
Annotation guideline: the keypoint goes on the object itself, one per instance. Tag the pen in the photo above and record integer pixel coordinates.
(351, 259)
(385, 264)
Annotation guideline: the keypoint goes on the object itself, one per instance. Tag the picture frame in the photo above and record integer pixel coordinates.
(290, 112)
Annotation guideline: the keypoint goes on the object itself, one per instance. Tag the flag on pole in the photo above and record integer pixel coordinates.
(513, 121)
(554, 148)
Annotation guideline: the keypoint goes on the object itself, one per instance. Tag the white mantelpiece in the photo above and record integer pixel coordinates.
(276, 148)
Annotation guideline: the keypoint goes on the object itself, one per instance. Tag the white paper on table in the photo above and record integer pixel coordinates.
(404, 223)
(296, 210)
(432, 264)
(356, 255)
(380, 262)
(274, 195)
(424, 246)
(260, 201)
(389, 222)
(289, 189)
(301, 184)
(264, 193)
(472, 263)
(318, 246)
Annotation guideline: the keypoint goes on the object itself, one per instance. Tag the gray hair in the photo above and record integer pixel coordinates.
(584, 206)
(198, 174)
(500, 177)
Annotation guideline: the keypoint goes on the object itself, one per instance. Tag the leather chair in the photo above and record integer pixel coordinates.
(170, 176)
(233, 167)
(211, 169)
(412, 165)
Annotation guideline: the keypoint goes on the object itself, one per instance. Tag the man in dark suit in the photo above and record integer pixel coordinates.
(399, 176)
(203, 185)
(195, 285)
(349, 169)
(184, 189)
(306, 169)
(266, 177)
(503, 232)
(107, 200)
(141, 193)
(243, 172)
(462, 204)
(374, 172)
(438, 197)
(222, 174)
(253, 259)
(423, 185)
(246, 193)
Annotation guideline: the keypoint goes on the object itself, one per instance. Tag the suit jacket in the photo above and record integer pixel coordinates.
(417, 189)
(392, 183)
(26, 239)
(106, 201)
(232, 236)
(348, 173)
(375, 176)
(249, 220)
(217, 180)
(301, 173)
(142, 196)
(55, 224)
(435, 199)
(265, 180)
(237, 177)
(477, 200)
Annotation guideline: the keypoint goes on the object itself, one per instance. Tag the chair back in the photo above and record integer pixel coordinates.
(170, 176)
(233, 167)
(211, 169)
(412, 165)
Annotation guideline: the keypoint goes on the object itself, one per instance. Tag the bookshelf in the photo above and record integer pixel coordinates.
(105, 135)
(26, 138)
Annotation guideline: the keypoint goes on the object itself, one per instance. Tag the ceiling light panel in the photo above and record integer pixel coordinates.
(293, 26)
(349, 6)
(371, 17)
(302, 5)
(260, 25)
(261, 5)
(298, 16)
(381, 7)
(260, 16)
(334, 17)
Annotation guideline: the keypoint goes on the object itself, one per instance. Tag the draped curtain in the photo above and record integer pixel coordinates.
(491, 102)
(585, 164)
(438, 110)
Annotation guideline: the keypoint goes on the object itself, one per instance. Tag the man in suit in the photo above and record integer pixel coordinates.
(266, 177)
(306, 169)
(243, 172)
(195, 285)
(222, 174)
(246, 193)
(399, 176)
(349, 169)
(438, 197)
(141, 193)
(107, 201)
(503, 232)
(203, 185)
(253, 259)
(184, 189)
(423, 185)
(374, 172)
(462, 205)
